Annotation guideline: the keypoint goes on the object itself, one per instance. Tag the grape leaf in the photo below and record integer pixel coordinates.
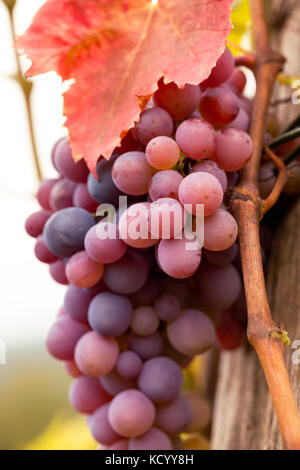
(116, 51)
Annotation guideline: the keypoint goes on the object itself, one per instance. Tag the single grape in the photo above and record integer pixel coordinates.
(103, 189)
(144, 321)
(196, 442)
(234, 149)
(61, 195)
(35, 223)
(132, 173)
(128, 274)
(102, 243)
(162, 152)
(96, 355)
(113, 383)
(167, 307)
(165, 184)
(146, 346)
(237, 80)
(131, 413)
(42, 253)
(53, 152)
(174, 417)
(220, 231)
(179, 258)
(219, 106)
(57, 271)
(63, 161)
(153, 122)
(129, 365)
(64, 232)
(110, 314)
(223, 257)
(76, 303)
(63, 337)
(100, 427)
(177, 287)
(201, 188)
(44, 191)
(196, 138)
(221, 72)
(218, 287)
(192, 333)
(86, 395)
(201, 411)
(83, 199)
(83, 271)
(160, 379)
(179, 102)
(213, 169)
(154, 439)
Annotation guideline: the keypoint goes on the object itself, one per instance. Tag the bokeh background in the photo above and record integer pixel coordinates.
(34, 411)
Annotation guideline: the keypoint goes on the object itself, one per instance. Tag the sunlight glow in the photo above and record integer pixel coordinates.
(154, 2)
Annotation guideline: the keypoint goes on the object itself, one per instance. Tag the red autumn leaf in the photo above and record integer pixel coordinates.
(116, 51)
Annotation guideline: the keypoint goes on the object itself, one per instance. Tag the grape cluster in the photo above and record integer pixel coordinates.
(140, 304)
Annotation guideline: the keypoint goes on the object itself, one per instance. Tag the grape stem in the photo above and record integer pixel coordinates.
(280, 182)
(247, 207)
(26, 87)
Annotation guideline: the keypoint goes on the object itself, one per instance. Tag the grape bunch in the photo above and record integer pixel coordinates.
(144, 297)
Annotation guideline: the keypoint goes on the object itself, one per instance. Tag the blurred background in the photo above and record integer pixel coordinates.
(34, 410)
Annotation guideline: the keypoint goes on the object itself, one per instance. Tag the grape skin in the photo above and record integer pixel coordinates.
(234, 149)
(104, 248)
(76, 303)
(82, 271)
(131, 413)
(219, 106)
(110, 314)
(196, 138)
(63, 337)
(201, 188)
(86, 395)
(220, 231)
(165, 184)
(162, 153)
(176, 260)
(129, 365)
(192, 333)
(179, 102)
(100, 427)
(154, 439)
(96, 355)
(153, 122)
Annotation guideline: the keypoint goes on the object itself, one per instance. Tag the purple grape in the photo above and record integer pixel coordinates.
(160, 379)
(42, 253)
(174, 417)
(128, 274)
(146, 294)
(63, 337)
(179, 102)
(153, 122)
(129, 365)
(64, 232)
(86, 395)
(100, 428)
(167, 307)
(192, 333)
(146, 346)
(63, 161)
(132, 173)
(44, 191)
(77, 302)
(35, 223)
(154, 439)
(113, 383)
(61, 195)
(110, 314)
(102, 247)
(131, 413)
(165, 184)
(57, 270)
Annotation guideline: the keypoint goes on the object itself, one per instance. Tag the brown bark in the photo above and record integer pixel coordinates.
(244, 416)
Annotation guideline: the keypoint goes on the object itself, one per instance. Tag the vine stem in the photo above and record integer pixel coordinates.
(247, 207)
(26, 87)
